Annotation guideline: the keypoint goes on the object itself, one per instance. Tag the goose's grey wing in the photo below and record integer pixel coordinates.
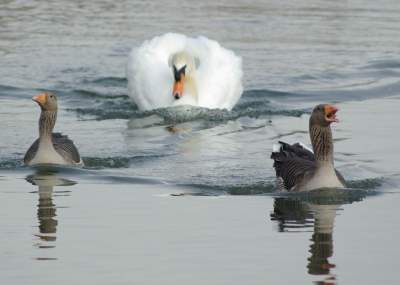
(66, 148)
(293, 165)
(293, 172)
(31, 152)
(297, 150)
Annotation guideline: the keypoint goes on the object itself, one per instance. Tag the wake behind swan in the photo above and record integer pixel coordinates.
(174, 69)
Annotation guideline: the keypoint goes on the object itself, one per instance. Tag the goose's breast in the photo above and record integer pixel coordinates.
(323, 178)
(46, 154)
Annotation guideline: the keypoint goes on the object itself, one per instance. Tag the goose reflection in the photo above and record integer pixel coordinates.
(295, 215)
(321, 247)
(46, 208)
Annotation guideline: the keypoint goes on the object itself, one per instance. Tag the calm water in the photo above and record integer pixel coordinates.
(198, 206)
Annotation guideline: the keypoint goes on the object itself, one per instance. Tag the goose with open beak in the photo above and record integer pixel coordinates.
(51, 148)
(299, 169)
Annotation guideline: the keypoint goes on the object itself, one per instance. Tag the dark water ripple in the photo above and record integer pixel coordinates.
(110, 110)
(99, 95)
(92, 162)
(331, 196)
(107, 81)
(254, 104)
(383, 64)
(106, 162)
(258, 188)
(366, 184)
(119, 161)
(356, 191)
(13, 163)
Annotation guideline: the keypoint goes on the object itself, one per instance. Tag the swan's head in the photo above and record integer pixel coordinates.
(179, 78)
(183, 66)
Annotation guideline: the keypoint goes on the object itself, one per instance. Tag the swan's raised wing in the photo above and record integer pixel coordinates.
(219, 74)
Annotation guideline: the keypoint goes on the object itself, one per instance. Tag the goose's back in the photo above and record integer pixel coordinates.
(294, 166)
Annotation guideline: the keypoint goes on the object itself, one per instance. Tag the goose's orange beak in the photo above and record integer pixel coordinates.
(177, 90)
(330, 113)
(40, 99)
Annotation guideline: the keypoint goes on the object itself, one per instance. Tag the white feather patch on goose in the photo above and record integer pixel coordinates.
(276, 147)
(306, 147)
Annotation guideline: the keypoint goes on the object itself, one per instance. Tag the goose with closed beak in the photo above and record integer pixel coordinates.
(300, 169)
(51, 148)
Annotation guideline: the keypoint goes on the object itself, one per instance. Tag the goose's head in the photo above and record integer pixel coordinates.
(323, 115)
(46, 100)
(183, 66)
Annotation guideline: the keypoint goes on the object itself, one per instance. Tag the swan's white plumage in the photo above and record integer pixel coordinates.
(150, 77)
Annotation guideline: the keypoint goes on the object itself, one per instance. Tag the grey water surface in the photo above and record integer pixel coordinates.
(187, 196)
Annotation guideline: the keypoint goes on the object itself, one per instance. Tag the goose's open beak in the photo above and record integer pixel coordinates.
(177, 91)
(40, 99)
(330, 113)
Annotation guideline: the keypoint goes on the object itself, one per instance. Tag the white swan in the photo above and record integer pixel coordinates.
(173, 69)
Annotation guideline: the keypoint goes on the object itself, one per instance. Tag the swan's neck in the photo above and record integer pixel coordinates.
(321, 140)
(47, 121)
(191, 88)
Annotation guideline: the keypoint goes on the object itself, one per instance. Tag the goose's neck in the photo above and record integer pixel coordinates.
(322, 143)
(47, 121)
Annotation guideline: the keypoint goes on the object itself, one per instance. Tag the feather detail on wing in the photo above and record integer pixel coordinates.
(31, 152)
(66, 148)
(292, 163)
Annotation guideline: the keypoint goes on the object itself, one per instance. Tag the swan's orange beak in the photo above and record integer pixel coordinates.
(177, 90)
(40, 99)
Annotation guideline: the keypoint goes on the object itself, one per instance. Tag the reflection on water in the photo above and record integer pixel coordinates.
(321, 247)
(46, 214)
(294, 214)
(291, 215)
(46, 209)
(318, 214)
